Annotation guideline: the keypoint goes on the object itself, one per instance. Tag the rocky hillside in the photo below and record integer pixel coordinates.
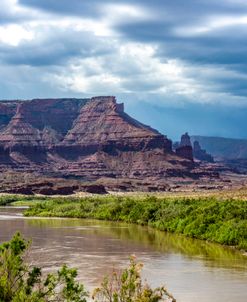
(84, 138)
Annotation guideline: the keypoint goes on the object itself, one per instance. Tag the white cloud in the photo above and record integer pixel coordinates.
(13, 34)
(101, 60)
(134, 69)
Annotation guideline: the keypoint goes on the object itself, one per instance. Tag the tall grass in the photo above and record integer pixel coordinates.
(6, 199)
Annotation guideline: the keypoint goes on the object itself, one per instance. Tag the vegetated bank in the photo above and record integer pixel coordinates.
(20, 200)
(209, 218)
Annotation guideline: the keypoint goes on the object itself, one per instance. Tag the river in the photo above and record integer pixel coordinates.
(192, 270)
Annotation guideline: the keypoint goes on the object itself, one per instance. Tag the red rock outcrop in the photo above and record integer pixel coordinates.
(184, 149)
(84, 138)
(19, 132)
(102, 122)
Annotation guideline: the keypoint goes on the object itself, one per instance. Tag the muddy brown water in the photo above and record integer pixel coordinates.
(192, 270)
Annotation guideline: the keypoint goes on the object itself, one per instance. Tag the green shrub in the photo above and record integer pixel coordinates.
(127, 286)
(222, 221)
(19, 283)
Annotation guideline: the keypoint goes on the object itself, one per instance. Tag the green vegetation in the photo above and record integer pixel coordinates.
(209, 218)
(127, 286)
(26, 203)
(19, 199)
(21, 283)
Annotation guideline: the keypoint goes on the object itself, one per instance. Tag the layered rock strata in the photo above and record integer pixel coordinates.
(84, 138)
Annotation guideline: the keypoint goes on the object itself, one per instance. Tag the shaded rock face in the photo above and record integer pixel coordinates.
(184, 149)
(102, 122)
(85, 138)
(19, 132)
(38, 122)
(201, 154)
(185, 140)
(50, 188)
(94, 189)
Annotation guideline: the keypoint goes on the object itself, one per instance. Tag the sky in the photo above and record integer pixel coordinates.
(177, 65)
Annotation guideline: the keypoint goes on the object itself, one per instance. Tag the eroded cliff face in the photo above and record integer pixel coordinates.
(87, 138)
(104, 124)
(103, 120)
(19, 132)
(184, 149)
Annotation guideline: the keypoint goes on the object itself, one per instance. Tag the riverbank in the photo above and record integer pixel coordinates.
(193, 270)
(209, 218)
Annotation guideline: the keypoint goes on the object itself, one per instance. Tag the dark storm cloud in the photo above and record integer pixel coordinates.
(227, 45)
(174, 32)
(67, 7)
(55, 48)
(205, 50)
(179, 10)
(165, 52)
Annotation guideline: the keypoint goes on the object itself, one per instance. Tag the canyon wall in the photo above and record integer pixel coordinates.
(85, 138)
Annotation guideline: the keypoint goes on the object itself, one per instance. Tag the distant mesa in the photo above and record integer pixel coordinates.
(201, 154)
(223, 148)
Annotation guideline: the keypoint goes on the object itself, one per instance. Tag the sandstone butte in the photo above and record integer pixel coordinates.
(85, 138)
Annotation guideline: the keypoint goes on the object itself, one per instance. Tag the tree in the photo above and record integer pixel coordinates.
(19, 283)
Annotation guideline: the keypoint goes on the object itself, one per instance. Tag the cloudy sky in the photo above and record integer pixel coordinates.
(177, 65)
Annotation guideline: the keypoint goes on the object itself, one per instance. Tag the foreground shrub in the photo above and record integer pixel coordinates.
(20, 283)
(127, 286)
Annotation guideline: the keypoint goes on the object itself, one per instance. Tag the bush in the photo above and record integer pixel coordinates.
(20, 283)
(127, 286)
(222, 221)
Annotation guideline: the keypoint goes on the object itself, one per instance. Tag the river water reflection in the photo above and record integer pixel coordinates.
(192, 270)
